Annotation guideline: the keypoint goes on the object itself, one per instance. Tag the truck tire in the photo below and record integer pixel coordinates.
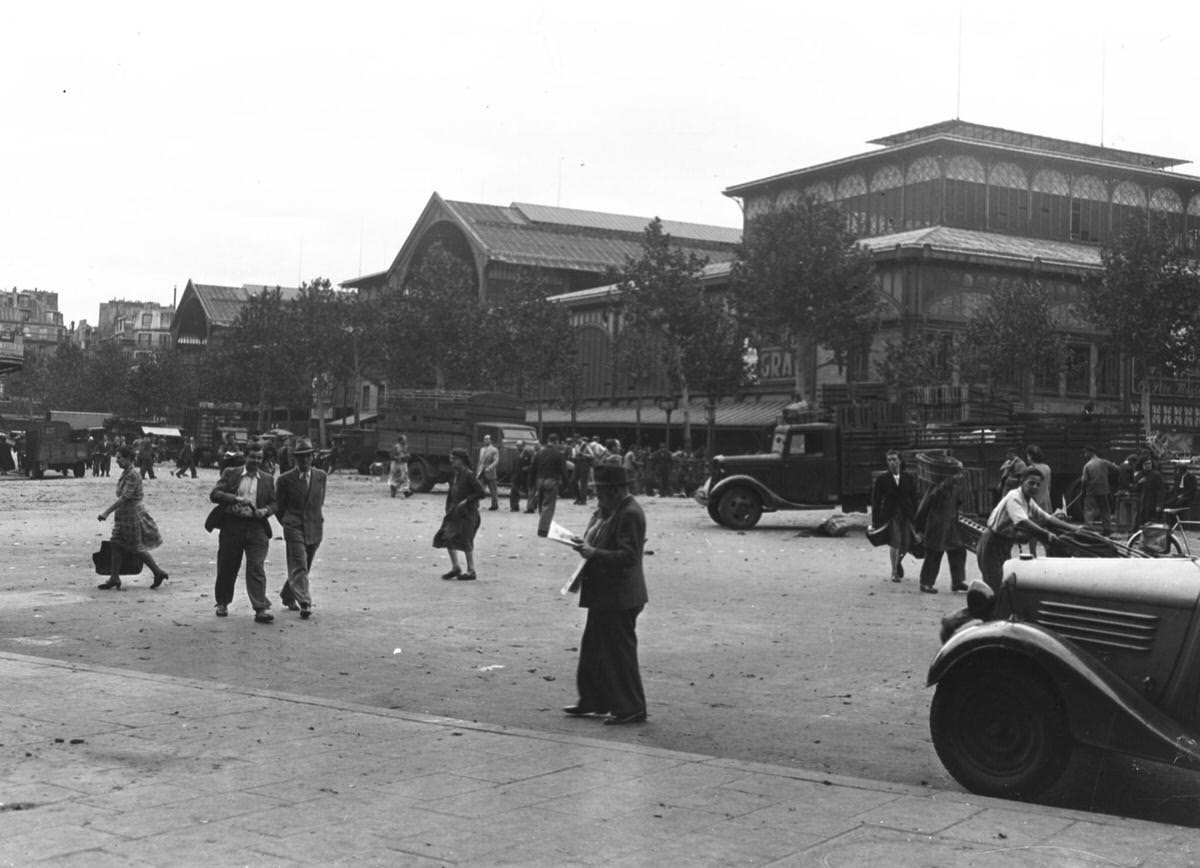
(37, 470)
(999, 729)
(78, 469)
(714, 513)
(740, 508)
(420, 476)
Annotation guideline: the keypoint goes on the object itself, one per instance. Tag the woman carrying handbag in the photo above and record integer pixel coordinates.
(134, 530)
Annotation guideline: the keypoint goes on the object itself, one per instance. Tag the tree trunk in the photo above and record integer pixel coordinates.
(685, 400)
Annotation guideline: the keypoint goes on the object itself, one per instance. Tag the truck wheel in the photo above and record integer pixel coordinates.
(1000, 729)
(78, 470)
(714, 513)
(420, 476)
(37, 471)
(740, 508)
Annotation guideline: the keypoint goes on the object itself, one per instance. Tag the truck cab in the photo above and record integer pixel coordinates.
(802, 471)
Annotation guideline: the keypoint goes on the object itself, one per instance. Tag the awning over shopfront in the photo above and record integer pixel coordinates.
(154, 431)
(732, 414)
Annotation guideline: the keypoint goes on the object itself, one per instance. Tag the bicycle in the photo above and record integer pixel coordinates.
(1162, 539)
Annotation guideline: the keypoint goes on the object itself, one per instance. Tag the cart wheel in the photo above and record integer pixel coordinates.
(1175, 548)
(1000, 729)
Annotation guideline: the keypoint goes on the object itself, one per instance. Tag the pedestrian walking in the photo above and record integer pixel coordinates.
(1148, 487)
(299, 509)
(550, 471)
(186, 459)
(612, 587)
(489, 464)
(937, 522)
(521, 463)
(461, 522)
(398, 468)
(134, 530)
(894, 505)
(246, 497)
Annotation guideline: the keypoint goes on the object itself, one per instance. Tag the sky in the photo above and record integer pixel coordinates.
(146, 144)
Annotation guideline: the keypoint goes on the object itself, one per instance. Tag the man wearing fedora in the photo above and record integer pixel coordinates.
(300, 501)
(612, 587)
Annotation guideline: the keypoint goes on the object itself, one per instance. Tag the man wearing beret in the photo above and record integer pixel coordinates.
(612, 587)
(300, 500)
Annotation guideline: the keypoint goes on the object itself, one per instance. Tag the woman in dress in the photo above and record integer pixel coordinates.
(457, 533)
(1149, 488)
(134, 530)
(894, 504)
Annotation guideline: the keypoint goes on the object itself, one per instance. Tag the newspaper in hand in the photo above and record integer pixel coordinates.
(560, 534)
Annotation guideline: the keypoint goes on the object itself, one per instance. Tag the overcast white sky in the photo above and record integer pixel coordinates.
(143, 144)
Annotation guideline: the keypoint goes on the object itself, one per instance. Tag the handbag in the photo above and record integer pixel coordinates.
(131, 562)
(916, 548)
(879, 536)
(216, 517)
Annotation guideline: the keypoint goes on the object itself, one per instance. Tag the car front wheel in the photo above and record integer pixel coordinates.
(1000, 729)
(740, 508)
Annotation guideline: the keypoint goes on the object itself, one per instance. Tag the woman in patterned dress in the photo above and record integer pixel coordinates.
(134, 530)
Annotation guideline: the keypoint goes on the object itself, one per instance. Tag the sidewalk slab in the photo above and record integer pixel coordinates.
(113, 767)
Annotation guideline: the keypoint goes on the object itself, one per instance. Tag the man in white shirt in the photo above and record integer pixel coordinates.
(1016, 518)
(489, 462)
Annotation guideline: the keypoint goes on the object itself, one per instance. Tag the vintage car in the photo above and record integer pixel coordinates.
(1069, 651)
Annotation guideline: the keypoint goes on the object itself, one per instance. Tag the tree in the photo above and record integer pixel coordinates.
(438, 312)
(801, 279)
(1147, 300)
(1012, 338)
(531, 338)
(925, 359)
(664, 296)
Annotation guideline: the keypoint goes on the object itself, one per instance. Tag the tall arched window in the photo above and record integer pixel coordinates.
(1128, 203)
(822, 191)
(1008, 198)
(1165, 204)
(1050, 211)
(1089, 206)
(922, 195)
(885, 200)
(852, 196)
(966, 193)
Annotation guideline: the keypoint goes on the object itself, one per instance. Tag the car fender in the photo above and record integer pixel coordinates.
(1102, 710)
(770, 500)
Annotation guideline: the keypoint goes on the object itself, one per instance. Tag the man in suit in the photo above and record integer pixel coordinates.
(894, 503)
(612, 587)
(550, 471)
(248, 495)
(300, 499)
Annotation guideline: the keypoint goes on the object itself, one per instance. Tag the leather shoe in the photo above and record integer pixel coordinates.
(263, 618)
(959, 587)
(289, 604)
(468, 576)
(305, 613)
(452, 574)
(622, 719)
(110, 585)
(928, 589)
(222, 610)
(577, 710)
(159, 579)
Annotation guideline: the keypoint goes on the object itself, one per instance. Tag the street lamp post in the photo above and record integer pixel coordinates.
(668, 406)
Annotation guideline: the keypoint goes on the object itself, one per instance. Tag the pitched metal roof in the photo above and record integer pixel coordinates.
(975, 242)
(541, 235)
(222, 303)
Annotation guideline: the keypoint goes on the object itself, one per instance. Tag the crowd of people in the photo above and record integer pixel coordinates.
(928, 525)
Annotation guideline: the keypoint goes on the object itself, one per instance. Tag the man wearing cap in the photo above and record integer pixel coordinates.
(612, 587)
(300, 501)
(247, 496)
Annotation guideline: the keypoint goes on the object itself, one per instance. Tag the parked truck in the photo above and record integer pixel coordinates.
(54, 446)
(434, 422)
(822, 465)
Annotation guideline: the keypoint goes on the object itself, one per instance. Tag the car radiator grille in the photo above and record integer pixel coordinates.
(1105, 628)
